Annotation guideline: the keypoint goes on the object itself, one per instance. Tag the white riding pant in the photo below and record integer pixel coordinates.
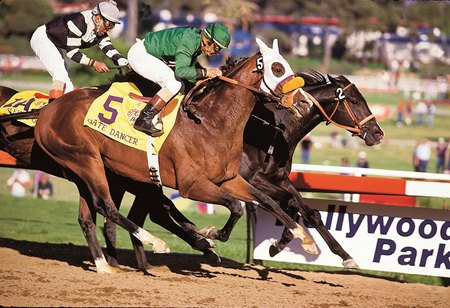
(152, 68)
(51, 57)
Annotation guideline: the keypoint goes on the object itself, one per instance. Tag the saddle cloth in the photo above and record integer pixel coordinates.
(25, 101)
(113, 114)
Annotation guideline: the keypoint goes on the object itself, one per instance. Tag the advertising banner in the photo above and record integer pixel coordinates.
(378, 237)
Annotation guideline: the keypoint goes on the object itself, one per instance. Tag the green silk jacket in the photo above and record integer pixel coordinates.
(179, 45)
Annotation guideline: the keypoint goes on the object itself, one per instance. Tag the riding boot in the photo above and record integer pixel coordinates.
(144, 122)
(54, 94)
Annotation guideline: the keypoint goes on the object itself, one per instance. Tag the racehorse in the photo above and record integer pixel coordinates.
(199, 160)
(335, 100)
(18, 140)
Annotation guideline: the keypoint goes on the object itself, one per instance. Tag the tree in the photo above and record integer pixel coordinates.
(22, 17)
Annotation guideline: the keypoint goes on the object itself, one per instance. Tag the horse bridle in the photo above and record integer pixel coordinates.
(280, 99)
(358, 128)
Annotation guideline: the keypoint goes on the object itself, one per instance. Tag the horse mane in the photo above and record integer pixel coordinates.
(314, 78)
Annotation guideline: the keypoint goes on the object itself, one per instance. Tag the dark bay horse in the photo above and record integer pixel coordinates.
(335, 100)
(201, 161)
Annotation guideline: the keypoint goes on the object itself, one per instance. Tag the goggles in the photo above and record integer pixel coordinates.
(109, 25)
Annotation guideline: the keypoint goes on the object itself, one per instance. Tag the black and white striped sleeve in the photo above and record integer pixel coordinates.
(108, 49)
(74, 43)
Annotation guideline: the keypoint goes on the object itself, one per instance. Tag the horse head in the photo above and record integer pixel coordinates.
(278, 74)
(341, 103)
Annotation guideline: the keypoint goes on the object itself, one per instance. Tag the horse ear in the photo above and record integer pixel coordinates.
(275, 46)
(262, 46)
(330, 78)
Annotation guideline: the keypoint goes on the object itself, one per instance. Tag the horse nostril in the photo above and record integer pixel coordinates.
(379, 135)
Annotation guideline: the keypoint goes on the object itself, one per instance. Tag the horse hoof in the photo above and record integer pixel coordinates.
(273, 250)
(209, 232)
(211, 256)
(350, 264)
(108, 270)
(310, 248)
(160, 247)
(204, 243)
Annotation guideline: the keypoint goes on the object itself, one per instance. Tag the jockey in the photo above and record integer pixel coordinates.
(181, 46)
(71, 33)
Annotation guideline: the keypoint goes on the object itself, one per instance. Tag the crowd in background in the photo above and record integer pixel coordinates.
(39, 185)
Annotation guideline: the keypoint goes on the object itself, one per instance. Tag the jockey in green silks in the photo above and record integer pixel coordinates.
(180, 46)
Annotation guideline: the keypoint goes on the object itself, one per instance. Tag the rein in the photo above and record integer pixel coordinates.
(255, 90)
(358, 125)
(251, 88)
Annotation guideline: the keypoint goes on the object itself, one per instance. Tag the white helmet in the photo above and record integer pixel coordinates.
(108, 10)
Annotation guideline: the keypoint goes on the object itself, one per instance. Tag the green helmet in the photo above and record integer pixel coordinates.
(219, 34)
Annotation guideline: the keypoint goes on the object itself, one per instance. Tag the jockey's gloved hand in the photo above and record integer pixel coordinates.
(213, 72)
(122, 62)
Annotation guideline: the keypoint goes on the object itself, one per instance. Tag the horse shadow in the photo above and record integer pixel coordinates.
(183, 264)
(190, 265)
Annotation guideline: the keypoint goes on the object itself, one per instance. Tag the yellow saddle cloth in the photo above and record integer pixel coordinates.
(113, 114)
(25, 101)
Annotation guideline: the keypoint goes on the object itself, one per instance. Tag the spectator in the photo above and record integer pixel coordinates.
(431, 113)
(306, 145)
(421, 110)
(441, 151)
(362, 160)
(400, 113)
(447, 169)
(45, 187)
(409, 112)
(334, 140)
(36, 179)
(423, 154)
(415, 160)
(19, 182)
(345, 163)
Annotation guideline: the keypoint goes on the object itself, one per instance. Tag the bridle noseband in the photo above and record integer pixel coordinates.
(357, 129)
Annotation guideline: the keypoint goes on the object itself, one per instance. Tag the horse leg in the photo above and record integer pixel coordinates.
(310, 216)
(137, 214)
(242, 190)
(91, 171)
(286, 237)
(205, 190)
(109, 228)
(163, 212)
(189, 232)
(296, 204)
(87, 224)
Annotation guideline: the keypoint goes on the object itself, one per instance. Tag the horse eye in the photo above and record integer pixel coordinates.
(277, 69)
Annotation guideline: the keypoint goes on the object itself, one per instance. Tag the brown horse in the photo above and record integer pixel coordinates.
(200, 160)
(18, 140)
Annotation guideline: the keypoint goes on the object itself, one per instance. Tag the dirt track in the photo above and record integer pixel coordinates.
(36, 274)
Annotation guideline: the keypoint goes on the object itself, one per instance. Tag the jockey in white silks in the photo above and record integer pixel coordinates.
(71, 33)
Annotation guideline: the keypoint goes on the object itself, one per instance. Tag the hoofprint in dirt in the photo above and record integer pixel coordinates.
(42, 274)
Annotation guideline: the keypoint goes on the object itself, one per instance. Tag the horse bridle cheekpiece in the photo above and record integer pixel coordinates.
(341, 98)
